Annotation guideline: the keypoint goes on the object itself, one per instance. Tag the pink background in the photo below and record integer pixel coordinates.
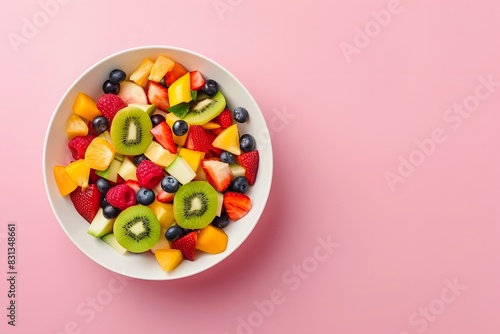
(420, 257)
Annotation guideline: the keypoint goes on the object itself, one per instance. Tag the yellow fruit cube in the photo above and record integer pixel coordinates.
(64, 182)
(79, 172)
(76, 126)
(85, 107)
(228, 140)
(179, 140)
(180, 90)
(164, 212)
(168, 259)
(141, 74)
(160, 156)
(161, 66)
(211, 125)
(193, 158)
(212, 240)
(99, 154)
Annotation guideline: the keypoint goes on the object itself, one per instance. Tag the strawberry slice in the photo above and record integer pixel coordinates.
(236, 204)
(225, 119)
(214, 150)
(218, 173)
(86, 202)
(158, 95)
(163, 135)
(186, 245)
(198, 139)
(197, 81)
(134, 185)
(250, 161)
(165, 197)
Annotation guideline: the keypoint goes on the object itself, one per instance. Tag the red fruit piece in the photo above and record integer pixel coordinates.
(163, 136)
(236, 204)
(214, 150)
(78, 146)
(165, 197)
(158, 95)
(109, 105)
(225, 119)
(250, 161)
(121, 196)
(218, 173)
(149, 174)
(136, 186)
(186, 245)
(198, 139)
(197, 81)
(86, 202)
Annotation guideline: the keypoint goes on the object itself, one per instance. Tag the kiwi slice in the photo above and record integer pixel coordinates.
(130, 131)
(205, 108)
(195, 205)
(137, 229)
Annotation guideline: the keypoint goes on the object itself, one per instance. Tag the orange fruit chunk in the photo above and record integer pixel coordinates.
(168, 259)
(79, 172)
(64, 183)
(85, 107)
(99, 154)
(212, 240)
(76, 126)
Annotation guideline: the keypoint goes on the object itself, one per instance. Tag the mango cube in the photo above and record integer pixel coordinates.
(164, 212)
(193, 158)
(85, 107)
(168, 259)
(64, 182)
(212, 240)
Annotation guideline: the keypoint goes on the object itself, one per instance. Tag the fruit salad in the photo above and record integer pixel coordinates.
(159, 165)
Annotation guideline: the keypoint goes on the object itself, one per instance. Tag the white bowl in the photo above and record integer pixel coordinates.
(56, 152)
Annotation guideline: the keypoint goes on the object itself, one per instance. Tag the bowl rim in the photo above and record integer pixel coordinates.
(166, 48)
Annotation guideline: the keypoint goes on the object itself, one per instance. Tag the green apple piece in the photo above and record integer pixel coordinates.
(100, 225)
(237, 170)
(149, 109)
(127, 170)
(220, 198)
(111, 173)
(110, 239)
(181, 170)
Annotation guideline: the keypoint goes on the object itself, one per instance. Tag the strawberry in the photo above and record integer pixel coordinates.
(121, 196)
(86, 202)
(163, 135)
(214, 150)
(149, 174)
(236, 204)
(186, 245)
(135, 185)
(250, 161)
(158, 95)
(218, 173)
(198, 139)
(165, 197)
(78, 146)
(197, 81)
(225, 118)
(109, 105)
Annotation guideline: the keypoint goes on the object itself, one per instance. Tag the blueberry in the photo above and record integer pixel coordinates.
(240, 114)
(102, 185)
(221, 221)
(145, 196)
(110, 212)
(139, 158)
(174, 232)
(157, 119)
(210, 88)
(247, 143)
(239, 184)
(180, 127)
(110, 88)
(170, 184)
(104, 202)
(100, 124)
(226, 157)
(116, 76)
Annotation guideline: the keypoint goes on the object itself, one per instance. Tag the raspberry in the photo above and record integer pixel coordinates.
(78, 146)
(149, 174)
(109, 104)
(225, 119)
(121, 196)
